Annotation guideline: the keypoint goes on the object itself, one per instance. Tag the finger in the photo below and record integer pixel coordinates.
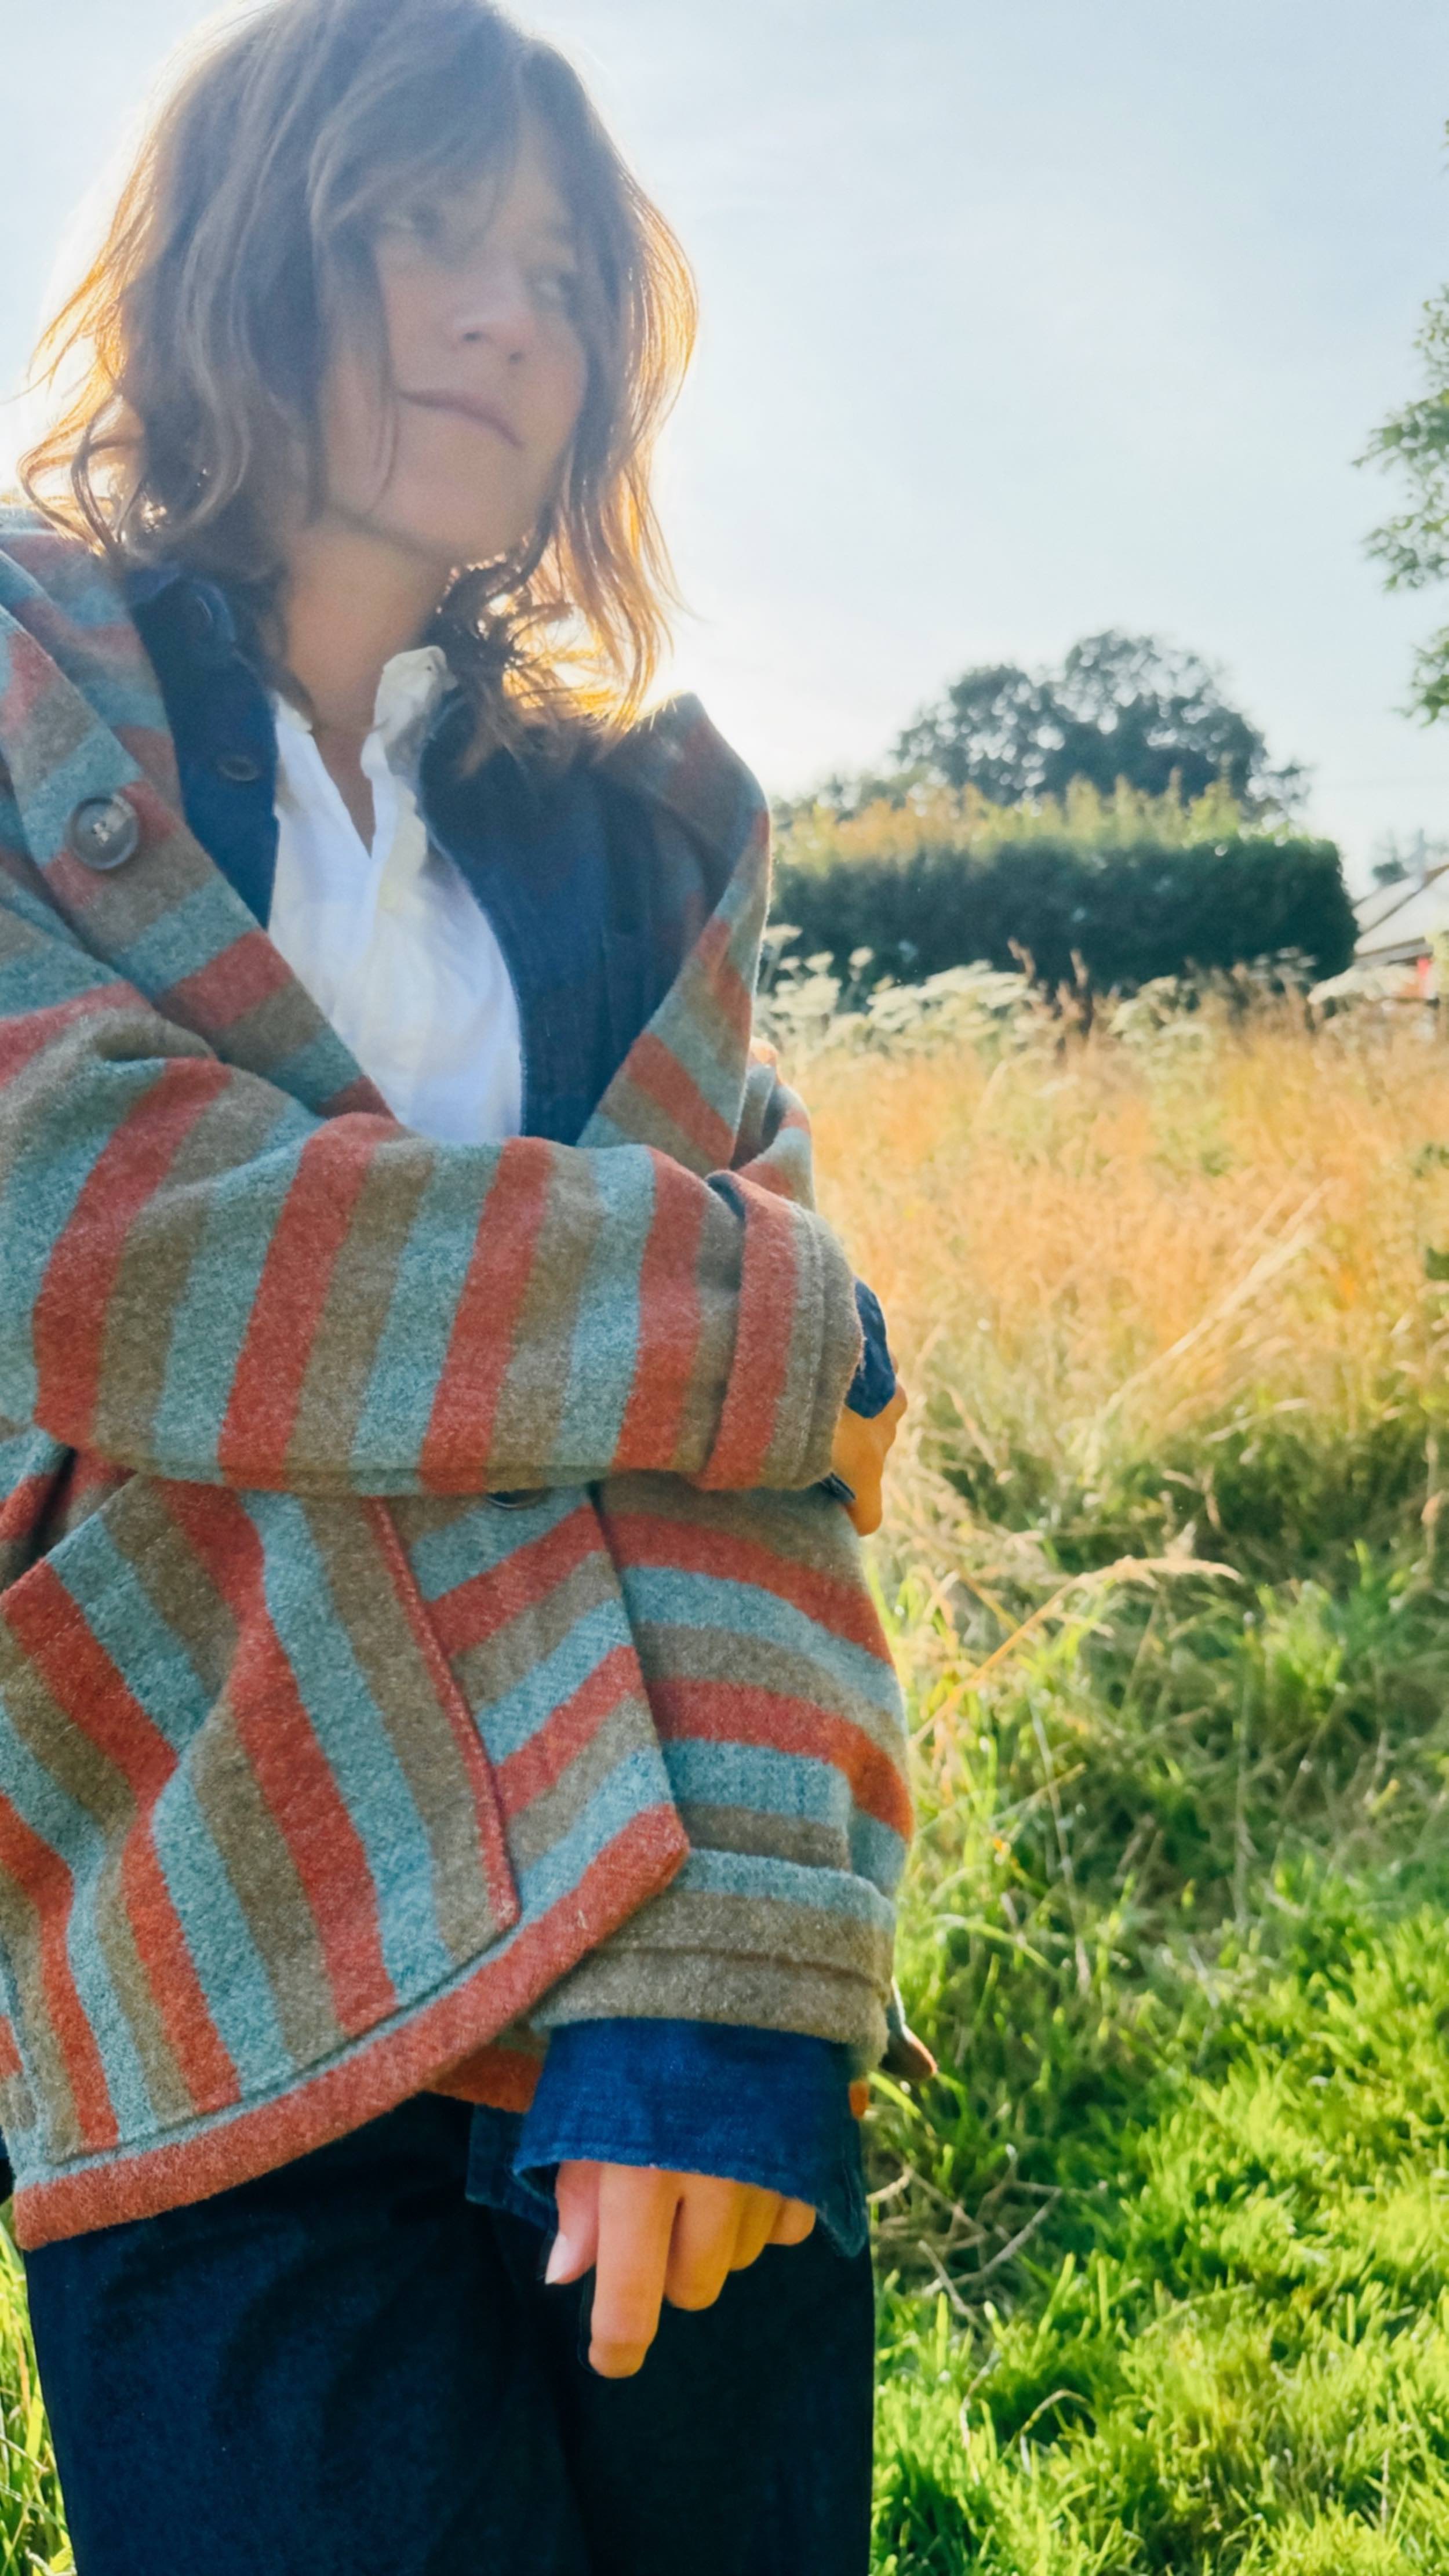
(794, 2223)
(636, 2221)
(860, 2098)
(866, 1511)
(706, 2225)
(757, 2226)
(917, 2063)
(575, 2246)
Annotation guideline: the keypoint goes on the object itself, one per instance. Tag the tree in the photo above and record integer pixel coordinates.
(1121, 706)
(1415, 546)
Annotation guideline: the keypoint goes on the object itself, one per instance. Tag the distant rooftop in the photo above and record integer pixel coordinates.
(1396, 923)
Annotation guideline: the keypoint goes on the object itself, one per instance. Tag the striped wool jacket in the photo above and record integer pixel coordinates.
(421, 1621)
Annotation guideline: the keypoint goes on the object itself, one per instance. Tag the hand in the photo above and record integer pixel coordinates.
(652, 2236)
(859, 1455)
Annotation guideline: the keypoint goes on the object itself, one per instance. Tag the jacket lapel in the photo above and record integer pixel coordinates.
(81, 718)
(681, 1087)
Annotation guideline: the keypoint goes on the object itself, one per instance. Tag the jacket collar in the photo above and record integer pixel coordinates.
(81, 718)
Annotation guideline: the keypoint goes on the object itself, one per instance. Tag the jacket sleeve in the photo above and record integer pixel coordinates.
(204, 1281)
(785, 1743)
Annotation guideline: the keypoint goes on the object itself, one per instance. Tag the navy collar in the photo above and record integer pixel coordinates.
(564, 862)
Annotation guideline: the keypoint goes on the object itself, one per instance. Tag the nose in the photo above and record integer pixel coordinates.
(495, 305)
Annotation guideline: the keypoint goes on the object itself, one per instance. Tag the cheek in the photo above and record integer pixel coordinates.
(354, 431)
(563, 382)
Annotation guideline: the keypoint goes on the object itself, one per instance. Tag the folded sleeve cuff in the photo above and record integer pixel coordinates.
(757, 2106)
(874, 1382)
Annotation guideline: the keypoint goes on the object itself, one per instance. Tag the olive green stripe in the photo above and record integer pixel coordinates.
(102, 1792)
(355, 1312)
(427, 1750)
(156, 1262)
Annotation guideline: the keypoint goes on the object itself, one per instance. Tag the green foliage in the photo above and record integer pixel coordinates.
(32, 2527)
(1131, 914)
(1121, 707)
(817, 831)
(1414, 546)
(1166, 2245)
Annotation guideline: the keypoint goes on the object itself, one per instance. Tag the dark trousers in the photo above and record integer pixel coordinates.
(347, 2369)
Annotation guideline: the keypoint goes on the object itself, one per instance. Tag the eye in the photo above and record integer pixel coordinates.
(418, 227)
(560, 286)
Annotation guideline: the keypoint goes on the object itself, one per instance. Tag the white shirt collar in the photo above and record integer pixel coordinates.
(408, 690)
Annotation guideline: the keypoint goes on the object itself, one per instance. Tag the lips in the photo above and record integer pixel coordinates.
(470, 408)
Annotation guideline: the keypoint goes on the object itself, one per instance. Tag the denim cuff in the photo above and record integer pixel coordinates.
(755, 2106)
(874, 1382)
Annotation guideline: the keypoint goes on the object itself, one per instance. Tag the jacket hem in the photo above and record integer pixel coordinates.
(378, 2074)
(492, 2079)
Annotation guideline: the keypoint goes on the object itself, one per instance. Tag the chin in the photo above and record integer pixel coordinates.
(448, 542)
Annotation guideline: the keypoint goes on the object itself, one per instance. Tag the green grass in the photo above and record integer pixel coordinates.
(32, 2528)
(1165, 2249)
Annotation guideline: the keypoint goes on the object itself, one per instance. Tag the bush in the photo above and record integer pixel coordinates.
(1129, 913)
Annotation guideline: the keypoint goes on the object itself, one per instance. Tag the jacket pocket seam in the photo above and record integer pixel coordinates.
(503, 1894)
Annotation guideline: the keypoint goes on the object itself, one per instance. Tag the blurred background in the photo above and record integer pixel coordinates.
(1020, 324)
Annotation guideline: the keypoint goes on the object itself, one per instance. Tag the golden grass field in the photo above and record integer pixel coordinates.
(1097, 1246)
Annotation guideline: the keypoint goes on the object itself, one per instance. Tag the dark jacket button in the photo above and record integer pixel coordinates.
(238, 768)
(104, 832)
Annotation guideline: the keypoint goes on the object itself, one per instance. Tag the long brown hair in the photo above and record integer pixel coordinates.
(240, 242)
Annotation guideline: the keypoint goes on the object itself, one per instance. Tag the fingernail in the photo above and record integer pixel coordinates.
(560, 2257)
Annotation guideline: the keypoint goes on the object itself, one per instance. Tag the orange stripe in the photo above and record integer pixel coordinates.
(44, 1879)
(24, 1508)
(470, 1382)
(236, 981)
(501, 2079)
(290, 1299)
(475, 1611)
(715, 1712)
(291, 1770)
(669, 1322)
(540, 1764)
(732, 995)
(692, 1547)
(73, 1307)
(51, 1630)
(759, 1369)
(656, 1070)
(23, 1037)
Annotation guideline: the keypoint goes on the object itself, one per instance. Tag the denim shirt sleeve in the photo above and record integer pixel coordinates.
(761, 2106)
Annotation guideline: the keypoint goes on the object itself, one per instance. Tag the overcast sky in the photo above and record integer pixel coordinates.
(1022, 319)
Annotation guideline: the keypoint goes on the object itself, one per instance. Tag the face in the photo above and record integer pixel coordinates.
(479, 298)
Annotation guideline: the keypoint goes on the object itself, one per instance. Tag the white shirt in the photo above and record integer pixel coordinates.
(389, 941)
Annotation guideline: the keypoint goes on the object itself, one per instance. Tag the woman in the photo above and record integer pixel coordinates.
(451, 1775)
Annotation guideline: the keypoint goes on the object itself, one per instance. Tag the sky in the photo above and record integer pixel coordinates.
(1021, 320)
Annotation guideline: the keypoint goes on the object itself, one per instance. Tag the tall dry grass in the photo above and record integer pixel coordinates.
(1094, 1248)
